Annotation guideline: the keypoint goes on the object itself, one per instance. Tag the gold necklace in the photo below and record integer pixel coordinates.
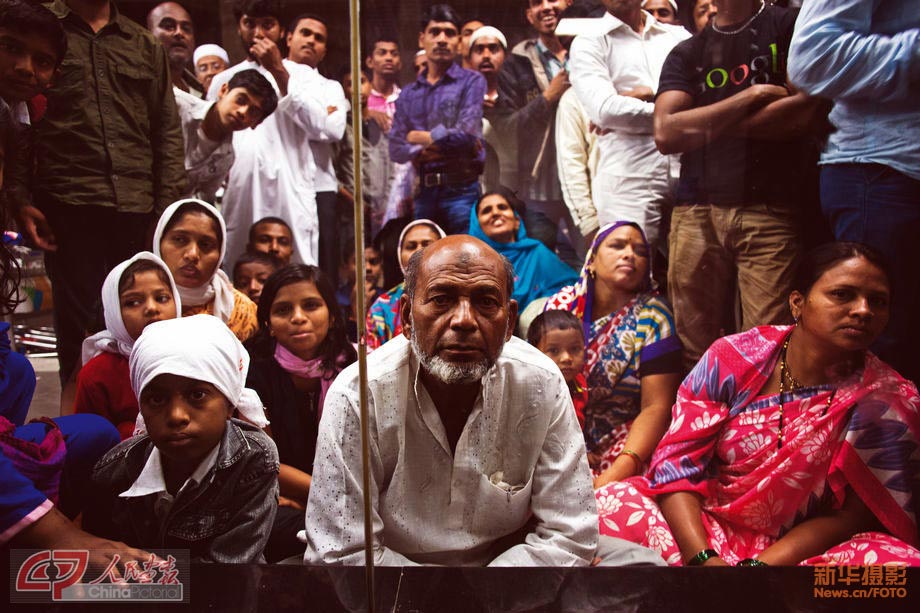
(785, 374)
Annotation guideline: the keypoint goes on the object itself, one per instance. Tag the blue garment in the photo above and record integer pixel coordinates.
(451, 110)
(537, 270)
(447, 205)
(17, 380)
(865, 55)
(86, 436)
(878, 206)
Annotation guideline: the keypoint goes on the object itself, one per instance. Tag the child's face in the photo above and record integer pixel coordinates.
(373, 266)
(27, 65)
(299, 319)
(185, 417)
(148, 300)
(250, 279)
(567, 349)
(238, 109)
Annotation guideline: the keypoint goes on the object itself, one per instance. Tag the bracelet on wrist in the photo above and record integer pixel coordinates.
(751, 562)
(700, 558)
(640, 464)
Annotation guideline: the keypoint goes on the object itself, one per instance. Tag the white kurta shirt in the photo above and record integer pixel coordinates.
(273, 174)
(521, 453)
(633, 179)
(207, 162)
(329, 128)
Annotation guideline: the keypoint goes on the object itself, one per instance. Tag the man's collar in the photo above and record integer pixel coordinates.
(612, 23)
(61, 11)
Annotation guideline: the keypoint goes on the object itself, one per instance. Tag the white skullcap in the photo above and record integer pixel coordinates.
(199, 347)
(488, 31)
(673, 4)
(420, 53)
(210, 49)
(115, 337)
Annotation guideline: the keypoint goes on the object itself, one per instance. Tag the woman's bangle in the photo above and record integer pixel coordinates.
(700, 558)
(635, 456)
(751, 562)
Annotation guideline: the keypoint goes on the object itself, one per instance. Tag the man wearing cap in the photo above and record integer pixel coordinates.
(487, 47)
(615, 74)
(209, 60)
(172, 25)
(664, 11)
(438, 126)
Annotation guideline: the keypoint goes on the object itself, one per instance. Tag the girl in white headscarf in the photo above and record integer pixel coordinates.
(191, 238)
(137, 292)
(383, 317)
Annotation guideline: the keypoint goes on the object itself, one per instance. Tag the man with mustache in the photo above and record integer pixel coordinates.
(487, 47)
(476, 454)
(438, 126)
(531, 83)
(172, 25)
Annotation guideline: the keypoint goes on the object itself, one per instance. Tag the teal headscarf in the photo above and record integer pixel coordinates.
(538, 272)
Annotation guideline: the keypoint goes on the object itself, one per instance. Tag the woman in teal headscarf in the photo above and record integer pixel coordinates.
(538, 273)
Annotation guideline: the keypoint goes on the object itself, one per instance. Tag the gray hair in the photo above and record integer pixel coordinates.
(415, 263)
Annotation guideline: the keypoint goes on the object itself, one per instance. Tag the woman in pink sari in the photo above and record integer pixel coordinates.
(788, 445)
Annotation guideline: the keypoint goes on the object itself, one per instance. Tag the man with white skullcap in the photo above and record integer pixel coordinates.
(487, 48)
(664, 11)
(209, 60)
(198, 479)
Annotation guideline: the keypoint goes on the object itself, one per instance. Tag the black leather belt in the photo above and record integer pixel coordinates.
(433, 179)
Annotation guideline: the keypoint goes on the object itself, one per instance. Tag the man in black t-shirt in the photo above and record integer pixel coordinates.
(723, 102)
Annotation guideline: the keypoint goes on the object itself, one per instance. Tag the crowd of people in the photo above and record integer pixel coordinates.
(700, 216)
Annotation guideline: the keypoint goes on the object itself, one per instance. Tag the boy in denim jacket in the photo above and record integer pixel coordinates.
(197, 479)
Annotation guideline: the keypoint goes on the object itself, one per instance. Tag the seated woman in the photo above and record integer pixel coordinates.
(632, 357)
(135, 294)
(383, 317)
(300, 348)
(538, 273)
(788, 444)
(191, 238)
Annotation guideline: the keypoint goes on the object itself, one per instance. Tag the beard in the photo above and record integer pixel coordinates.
(452, 373)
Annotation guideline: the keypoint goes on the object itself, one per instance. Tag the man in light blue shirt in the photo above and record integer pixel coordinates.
(865, 55)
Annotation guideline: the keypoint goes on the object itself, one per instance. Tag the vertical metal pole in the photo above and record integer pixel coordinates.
(361, 298)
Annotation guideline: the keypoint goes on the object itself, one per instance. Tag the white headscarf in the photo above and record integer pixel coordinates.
(198, 347)
(218, 288)
(402, 236)
(115, 337)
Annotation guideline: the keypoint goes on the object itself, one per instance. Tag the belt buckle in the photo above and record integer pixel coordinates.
(433, 178)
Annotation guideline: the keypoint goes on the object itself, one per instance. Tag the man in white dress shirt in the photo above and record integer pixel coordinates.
(273, 174)
(476, 457)
(306, 41)
(615, 75)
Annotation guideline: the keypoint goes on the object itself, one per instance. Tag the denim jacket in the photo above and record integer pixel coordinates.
(225, 518)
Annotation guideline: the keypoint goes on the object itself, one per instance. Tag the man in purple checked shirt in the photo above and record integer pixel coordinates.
(438, 126)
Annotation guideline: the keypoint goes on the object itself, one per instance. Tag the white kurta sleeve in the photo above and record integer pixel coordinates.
(562, 499)
(591, 81)
(310, 96)
(335, 510)
(573, 151)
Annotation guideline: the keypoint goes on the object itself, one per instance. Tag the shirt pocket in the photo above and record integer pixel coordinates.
(199, 526)
(133, 91)
(69, 84)
(499, 510)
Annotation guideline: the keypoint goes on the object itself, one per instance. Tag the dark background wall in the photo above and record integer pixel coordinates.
(214, 22)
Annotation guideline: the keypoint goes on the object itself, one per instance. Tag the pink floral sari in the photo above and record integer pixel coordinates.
(722, 444)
